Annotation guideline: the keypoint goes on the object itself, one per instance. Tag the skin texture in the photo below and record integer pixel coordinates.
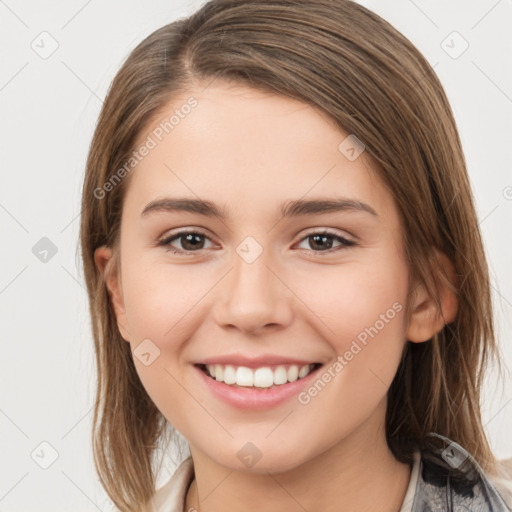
(250, 151)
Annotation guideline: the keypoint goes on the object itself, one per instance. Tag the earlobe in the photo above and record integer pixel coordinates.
(428, 316)
(104, 259)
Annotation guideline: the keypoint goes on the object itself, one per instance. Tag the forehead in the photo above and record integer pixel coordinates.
(242, 146)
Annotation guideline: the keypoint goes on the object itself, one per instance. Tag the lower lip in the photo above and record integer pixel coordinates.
(255, 399)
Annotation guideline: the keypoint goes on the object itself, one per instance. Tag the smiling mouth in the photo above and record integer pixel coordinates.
(265, 377)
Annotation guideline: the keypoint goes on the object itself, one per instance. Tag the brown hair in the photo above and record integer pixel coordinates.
(372, 82)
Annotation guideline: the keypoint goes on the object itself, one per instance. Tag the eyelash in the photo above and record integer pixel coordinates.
(168, 240)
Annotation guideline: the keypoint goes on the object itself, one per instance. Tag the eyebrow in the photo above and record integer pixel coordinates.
(292, 208)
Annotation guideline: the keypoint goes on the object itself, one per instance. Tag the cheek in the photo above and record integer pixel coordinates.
(159, 297)
(350, 389)
(365, 316)
(163, 304)
(158, 303)
(358, 301)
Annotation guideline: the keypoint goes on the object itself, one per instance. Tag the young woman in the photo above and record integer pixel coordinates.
(284, 266)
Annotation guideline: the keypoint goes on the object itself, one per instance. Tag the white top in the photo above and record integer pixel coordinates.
(171, 497)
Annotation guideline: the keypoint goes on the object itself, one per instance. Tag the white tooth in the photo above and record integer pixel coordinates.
(304, 371)
(244, 376)
(293, 373)
(229, 374)
(280, 375)
(218, 372)
(263, 377)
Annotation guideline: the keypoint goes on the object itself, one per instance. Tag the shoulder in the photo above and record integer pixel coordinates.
(451, 479)
(171, 496)
(503, 480)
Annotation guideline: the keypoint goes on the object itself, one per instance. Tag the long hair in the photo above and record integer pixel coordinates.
(349, 63)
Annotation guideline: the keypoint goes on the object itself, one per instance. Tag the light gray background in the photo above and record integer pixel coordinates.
(49, 108)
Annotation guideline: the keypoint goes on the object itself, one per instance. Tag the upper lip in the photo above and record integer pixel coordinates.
(254, 362)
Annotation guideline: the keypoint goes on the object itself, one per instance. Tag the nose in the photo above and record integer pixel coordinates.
(253, 298)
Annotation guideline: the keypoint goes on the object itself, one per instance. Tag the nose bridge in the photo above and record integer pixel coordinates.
(252, 297)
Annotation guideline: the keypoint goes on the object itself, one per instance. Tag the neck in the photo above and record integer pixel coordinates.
(359, 474)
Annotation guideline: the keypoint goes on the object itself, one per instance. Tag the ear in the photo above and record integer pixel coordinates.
(428, 316)
(104, 259)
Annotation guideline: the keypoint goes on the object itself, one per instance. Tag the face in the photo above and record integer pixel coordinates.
(275, 281)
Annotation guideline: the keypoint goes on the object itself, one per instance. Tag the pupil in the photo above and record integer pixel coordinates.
(323, 238)
(189, 238)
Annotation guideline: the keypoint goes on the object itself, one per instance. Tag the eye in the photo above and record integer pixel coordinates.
(190, 241)
(194, 241)
(322, 241)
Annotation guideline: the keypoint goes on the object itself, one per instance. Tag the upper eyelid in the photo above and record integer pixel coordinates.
(183, 232)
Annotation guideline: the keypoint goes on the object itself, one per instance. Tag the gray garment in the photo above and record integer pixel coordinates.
(451, 480)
